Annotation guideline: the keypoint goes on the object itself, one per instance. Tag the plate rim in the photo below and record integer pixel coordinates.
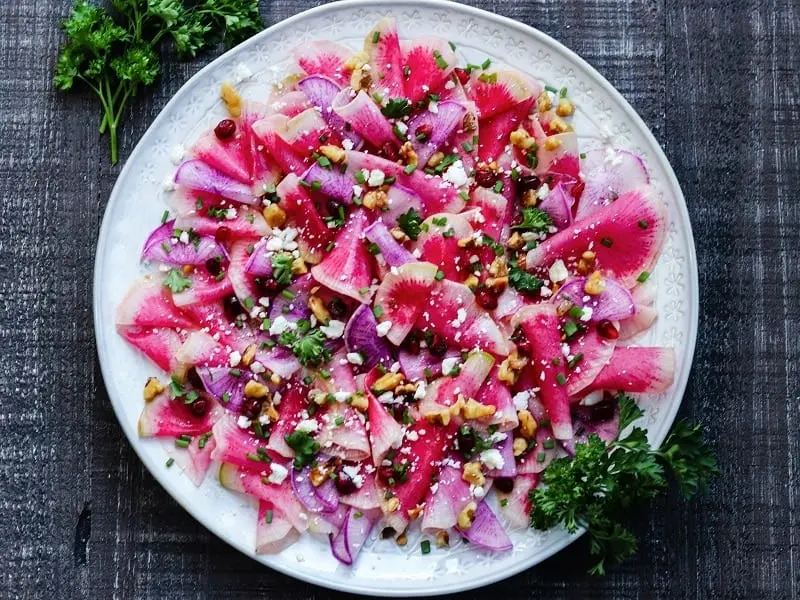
(161, 476)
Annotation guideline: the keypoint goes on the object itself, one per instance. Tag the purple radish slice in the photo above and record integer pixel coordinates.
(327, 494)
(508, 303)
(637, 369)
(323, 58)
(225, 387)
(595, 352)
(278, 360)
(346, 268)
(445, 499)
(641, 321)
(633, 228)
(306, 493)
(198, 176)
(297, 307)
(195, 251)
(259, 264)
(355, 530)
(321, 91)
(361, 336)
(558, 204)
(613, 304)
(365, 118)
(276, 535)
(245, 223)
(392, 251)
(332, 182)
(382, 45)
(509, 468)
(608, 174)
(486, 531)
(440, 124)
(601, 419)
(431, 61)
(337, 517)
(416, 367)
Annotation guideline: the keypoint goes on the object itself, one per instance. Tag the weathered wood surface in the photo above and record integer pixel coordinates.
(719, 84)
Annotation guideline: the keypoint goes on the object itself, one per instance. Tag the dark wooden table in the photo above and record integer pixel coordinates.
(718, 82)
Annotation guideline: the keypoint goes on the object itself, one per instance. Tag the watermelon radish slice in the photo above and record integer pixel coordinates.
(382, 46)
(499, 91)
(492, 209)
(401, 200)
(631, 248)
(275, 536)
(538, 459)
(346, 268)
(271, 131)
(384, 432)
(229, 157)
(243, 284)
(517, 508)
(202, 350)
(495, 393)
(314, 232)
(167, 417)
(297, 307)
(164, 246)
(203, 289)
(613, 304)
(364, 117)
(444, 392)
(445, 499)
(241, 222)
(417, 367)
(148, 305)
(608, 174)
(430, 61)
(508, 303)
(366, 497)
(343, 434)
(293, 403)
(486, 531)
(595, 352)
(562, 156)
(241, 447)
(495, 130)
(438, 244)
(323, 57)
(259, 264)
(638, 323)
(558, 204)
(401, 297)
(193, 460)
(392, 252)
(601, 419)
(361, 337)
(198, 176)
(542, 328)
(321, 91)
(159, 345)
(292, 103)
(442, 123)
(637, 369)
(644, 294)
(304, 131)
(435, 197)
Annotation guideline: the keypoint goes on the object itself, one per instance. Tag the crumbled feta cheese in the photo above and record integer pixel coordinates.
(449, 364)
(497, 437)
(383, 328)
(357, 191)
(177, 153)
(543, 192)
(230, 213)
(565, 349)
(355, 358)
(461, 313)
(334, 329)
(450, 84)
(264, 301)
(376, 177)
(274, 244)
(558, 271)
(456, 174)
(241, 72)
(347, 144)
(433, 107)
(354, 473)
(276, 398)
(492, 458)
(401, 127)
(341, 396)
(244, 422)
(257, 368)
(545, 292)
(280, 324)
(278, 473)
(419, 394)
(307, 426)
(234, 358)
(412, 435)
(386, 398)
(521, 400)
(169, 184)
(479, 492)
(395, 368)
(587, 314)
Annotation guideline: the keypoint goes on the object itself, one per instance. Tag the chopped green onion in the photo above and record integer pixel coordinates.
(425, 546)
(548, 444)
(643, 276)
(439, 275)
(268, 516)
(607, 242)
(170, 462)
(377, 310)
(560, 379)
(287, 294)
(643, 225)
(164, 217)
(498, 186)
(409, 169)
(487, 63)
(376, 35)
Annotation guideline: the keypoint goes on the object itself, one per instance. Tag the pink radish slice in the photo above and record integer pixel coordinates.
(304, 131)
(170, 417)
(497, 92)
(159, 345)
(563, 154)
(306, 493)
(613, 304)
(430, 62)
(631, 247)
(600, 419)
(325, 58)
(365, 118)
(244, 223)
(401, 296)
(347, 440)
(443, 392)
(203, 289)
(276, 535)
(147, 304)
(241, 447)
(365, 497)
(416, 367)
(438, 244)
(644, 293)
(541, 326)
(495, 393)
(508, 303)
(290, 104)
(494, 131)
(231, 157)
(197, 175)
(293, 402)
(346, 268)
(321, 91)
(193, 460)
(637, 369)
(301, 212)
(445, 499)
(539, 457)
(486, 531)
(195, 251)
(595, 351)
(442, 123)
(259, 264)
(346, 544)
(518, 506)
(392, 252)
(202, 350)
(269, 131)
(638, 323)
(384, 432)
(492, 210)
(278, 360)
(608, 174)
(244, 286)
(331, 181)
(558, 204)
(382, 45)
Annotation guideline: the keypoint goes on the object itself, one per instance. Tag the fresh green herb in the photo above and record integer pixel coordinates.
(324, 162)
(288, 294)
(534, 219)
(376, 35)
(235, 372)
(498, 186)
(439, 275)
(522, 281)
(475, 444)
(339, 421)
(217, 212)
(576, 312)
(448, 233)
(503, 502)
(488, 77)
(373, 248)
(282, 268)
(464, 195)
(117, 55)
(570, 328)
(562, 92)
(176, 282)
(582, 155)
(268, 516)
(304, 446)
(439, 221)
(360, 177)
(165, 216)
(309, 348)
(389, 180)
(551, 89)
(170, 462)
(575, 361)
(643, 276)
(396, 108)
(377, 310)
(452, 46)
(363, 290)
(597, 489)
(498, 248)
(560, 379)
(182, 443)
(425, 547)
(548, 444)
(468, 147)
(201, 443)
(440, 62)
(410, 222)
(409, 169)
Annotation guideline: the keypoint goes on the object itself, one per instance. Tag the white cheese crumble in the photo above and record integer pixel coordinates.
(234, 358)
(278, 473)
(280, 324)
(244, 422)
(479, 492)
(543, 192)
(492, 458)
(419, 394)
(376, 177)
(586, 315)
(341, 396)
(241, 72)
(558, 271)
(334, 329)
(355, 358)
(307, 426)
(456, 174)
(357, 191)
(257, 368)
(383, 328)
(412, 435)
(520, 400)
(449, 364)
(347, 144)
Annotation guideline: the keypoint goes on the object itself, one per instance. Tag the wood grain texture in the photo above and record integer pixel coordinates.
(718, 83)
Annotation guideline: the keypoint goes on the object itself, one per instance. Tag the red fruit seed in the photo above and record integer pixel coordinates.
(485, 177)
(462, 75)
(486, 299)
(225, 129)
(607, 330)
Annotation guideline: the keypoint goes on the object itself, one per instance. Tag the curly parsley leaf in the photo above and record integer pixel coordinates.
(522, 281)
(396, 108)
(304, 446)
(309, 348)
(535, 220)
(411, 223)
(597, 488)
(282, 268)
(176, 282)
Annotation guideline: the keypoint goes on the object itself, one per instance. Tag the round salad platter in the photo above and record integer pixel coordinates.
(603, 121)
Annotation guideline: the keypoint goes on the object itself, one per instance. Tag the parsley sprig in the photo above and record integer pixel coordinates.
(116, 54)
(598, 488)
(522, 281)
(411, 223)
(534, 219)
(309, 348)
(304, 446)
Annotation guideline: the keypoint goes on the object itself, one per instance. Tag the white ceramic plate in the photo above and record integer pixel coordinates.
(138, 200)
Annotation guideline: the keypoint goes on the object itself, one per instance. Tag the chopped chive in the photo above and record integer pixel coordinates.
(287, 294)
(201, 443)
(488, 77)
(548, 444)
(235, 372)
(575, 360)
(376, 35)
(360, 177)
(325, 373)
(486, 64)
(556, 361)
(440, 62)
(358, 514)
(316, 185)
(541, 457)
(339, 421)
(452, 46)
(252, 456)
(363, 290)
(226, 397)
(439, 275)
(329, 246)
(560, 379)
(643, 225)
(464, 195)
(166, 247)
(170, 462)
(570, 328)
(377, 310)
(323, 138)
(308, 380)
(552, 89)
(643, 276)
(503, 502)
(373, 249)
(582, 155)
(164, 217)
(198, 204)
(268, 517)
(248, 303)
(440, 221)
(324, 161)
(250, 248)
(562, 92)
(449, 233)
(425, 546)
(468, 147)
(389, 180)
(498, 186)
(576, 312)
(182, 443)
(607, 242)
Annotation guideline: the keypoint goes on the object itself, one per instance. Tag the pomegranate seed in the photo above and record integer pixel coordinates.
(222, 234)
(485, 177)
(437, 347)
(466, 441)
(521, 340)
(232, 307)
(412, 342)
(251, 408)
(485, 298)
(199, 407)
(337, 307)
(214, 266)
(225, 129)
(194, 379)
(388, 151)
(462, 75)
(385, 473)
(529, 182)
(504, 484)
(333, 207)
(267, 286)
(344, 484)
(607, 330)
(423, 132)
(577, 190)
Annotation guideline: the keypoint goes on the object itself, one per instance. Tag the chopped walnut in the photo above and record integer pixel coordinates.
(467, 516)
(560, 125)
(320, 474)
(472, 282)
(473, 474)
(522, 139)
(529, 198)
(274, 215)
(375, 199)
(387, 382)
(358, 60)
(232, 99)
(510, 368)
(152, 388)
(543, 102)
(497, 284)
(402, 539)
(442, 539)
(565, 107)
(515, 242)
(249, 355)
(438, 417)
(318, 309)
(275, 378)
(416, 512)
(475, 410)
(392, 504)
(470, 122)
(498, 268)
(360, 80)
(188, 269)
(527, 424)
(254, 389)
(359, 402)
(519, 446)
(399, 235)
(435, 159)
(552, 143)
(595, 284)
(269, 411)
(408, 154)
(299, 266)
(334, 153)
